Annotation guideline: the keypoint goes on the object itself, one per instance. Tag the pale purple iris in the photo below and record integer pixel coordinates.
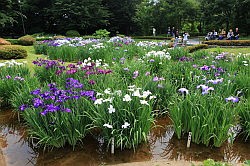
(216, 81)
(183, 90)
(233, 99)
(147, 73)
(8, 76)
(155, 79)
(220, 56)
(19, 78)
(135, 74)
(195, 66)
(205, 89)
(205, 67)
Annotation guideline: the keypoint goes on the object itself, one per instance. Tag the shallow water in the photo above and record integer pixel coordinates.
(15, 150)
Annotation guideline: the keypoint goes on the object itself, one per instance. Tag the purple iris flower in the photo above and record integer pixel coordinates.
(216, 81)
(233, 99)
(23, 107)
(8, 76)
(37, 102)
(36, 92)
(92, 82)
(219, 69)
(155, 79)
(205, 89)
(205, 67)
(67, 110)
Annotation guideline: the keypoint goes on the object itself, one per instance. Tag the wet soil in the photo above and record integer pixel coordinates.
(16, 150)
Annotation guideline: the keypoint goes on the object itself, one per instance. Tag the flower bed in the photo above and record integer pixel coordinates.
(124, 85)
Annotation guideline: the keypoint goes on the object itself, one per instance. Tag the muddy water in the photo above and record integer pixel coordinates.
(15, 150)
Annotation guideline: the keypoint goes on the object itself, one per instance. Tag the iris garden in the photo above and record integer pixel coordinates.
(117, 88)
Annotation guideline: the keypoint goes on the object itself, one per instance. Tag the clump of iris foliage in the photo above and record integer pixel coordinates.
(56, 115)
(118, 87)
(12, 76)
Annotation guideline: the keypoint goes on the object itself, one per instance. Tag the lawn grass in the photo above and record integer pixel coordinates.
(236, 51)
(30, 58)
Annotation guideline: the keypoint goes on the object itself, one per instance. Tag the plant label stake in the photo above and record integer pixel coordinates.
(112, 145)
(189, 139)
(18, 116)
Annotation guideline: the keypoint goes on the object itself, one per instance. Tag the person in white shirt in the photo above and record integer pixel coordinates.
(185, 38)
(154, 30)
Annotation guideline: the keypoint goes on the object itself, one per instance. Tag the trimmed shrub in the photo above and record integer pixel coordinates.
(228, 42)
(101, 33)
(196, 47)
(4, 42)
(26, 40)
(12, 52)
(72, 33)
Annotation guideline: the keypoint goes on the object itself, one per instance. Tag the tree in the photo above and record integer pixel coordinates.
(165, 13)
(85, 16)
(122, 12)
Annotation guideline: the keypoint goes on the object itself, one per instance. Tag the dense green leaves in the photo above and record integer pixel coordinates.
(123, 16)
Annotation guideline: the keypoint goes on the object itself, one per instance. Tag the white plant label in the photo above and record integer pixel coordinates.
(189, 139)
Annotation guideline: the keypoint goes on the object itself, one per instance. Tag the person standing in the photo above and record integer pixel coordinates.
(173, 32)
(169, 31)
(154, 30)
(176, 33)
(185, 38)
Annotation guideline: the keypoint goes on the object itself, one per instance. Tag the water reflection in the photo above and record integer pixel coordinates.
(16, 151)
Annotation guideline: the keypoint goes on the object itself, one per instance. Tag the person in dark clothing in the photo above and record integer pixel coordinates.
(236, 34)
(173, 32)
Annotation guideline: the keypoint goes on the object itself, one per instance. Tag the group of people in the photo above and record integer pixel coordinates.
(175, 34)
(231, 35)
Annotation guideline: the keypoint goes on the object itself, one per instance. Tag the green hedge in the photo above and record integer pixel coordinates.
(196, 47)
(43, 38)
(13, 41)
(152, 37)
(228, 42)
(12, 52)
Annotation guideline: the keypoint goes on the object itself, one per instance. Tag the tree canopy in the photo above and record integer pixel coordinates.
(127, 17)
